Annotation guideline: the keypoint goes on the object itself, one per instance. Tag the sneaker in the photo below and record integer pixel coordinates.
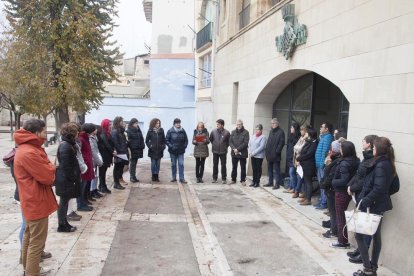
(329, 235)
(251, 185)
(326, 224)
(340, 245)
(365, 272)
(224, 181)
(133, 180)
(321, 207)
(73, 216)
(173, 180)
(122, 181)
(268, 185)
(356, 260)
(44, 271)
(85, 209)
(183, 181)
(353, 253)
(201, 180)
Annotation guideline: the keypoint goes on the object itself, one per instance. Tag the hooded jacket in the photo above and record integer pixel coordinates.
(344, 173)
(325, 141)
(35, 176)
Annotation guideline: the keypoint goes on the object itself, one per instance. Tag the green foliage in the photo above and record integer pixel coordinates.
(61, 52)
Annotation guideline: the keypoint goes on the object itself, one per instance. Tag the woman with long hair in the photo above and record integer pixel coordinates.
(200, 142)
(155, 142)
(296, 153)
(306, 160)
(293, 138)
(375, 195)
(68, 175)
(343, 174)
(106, 148)
(136, 145)
(121, 149)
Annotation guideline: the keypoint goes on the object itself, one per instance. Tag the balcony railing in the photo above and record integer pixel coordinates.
(244, 16)
(274, 2)
(204, 36)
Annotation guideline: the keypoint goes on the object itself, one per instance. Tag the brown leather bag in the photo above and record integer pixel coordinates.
(8, 158)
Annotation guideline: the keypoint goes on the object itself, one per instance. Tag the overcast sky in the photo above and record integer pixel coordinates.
(133, 30)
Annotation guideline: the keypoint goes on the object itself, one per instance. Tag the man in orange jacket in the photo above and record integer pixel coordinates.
(35, 176)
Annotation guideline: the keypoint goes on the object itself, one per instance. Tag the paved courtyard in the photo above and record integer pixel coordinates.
(174, 229)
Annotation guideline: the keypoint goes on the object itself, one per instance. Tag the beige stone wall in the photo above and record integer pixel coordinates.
(366, 48)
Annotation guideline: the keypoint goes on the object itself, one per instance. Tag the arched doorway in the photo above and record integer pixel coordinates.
(311, 99)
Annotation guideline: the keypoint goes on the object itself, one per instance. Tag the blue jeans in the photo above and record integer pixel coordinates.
(323, 200)
(293, 180)
(274, 166)
(23, 226)
(180, 159)
(94, 184)
(155, 165)
(298, 188)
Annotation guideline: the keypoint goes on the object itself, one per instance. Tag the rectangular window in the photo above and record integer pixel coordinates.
(205, 68)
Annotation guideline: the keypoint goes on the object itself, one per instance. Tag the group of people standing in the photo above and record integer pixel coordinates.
(342, 176)
(87, 151)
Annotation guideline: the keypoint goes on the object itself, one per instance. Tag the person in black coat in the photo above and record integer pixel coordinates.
(121, 149)
(375, 195)
(136, 145)
(344, 172)
(177, 142)
(155, 142)
(68, 175)
(306, 160)
(356, 184)
(106, 148)
(293, 138)
(273, 151)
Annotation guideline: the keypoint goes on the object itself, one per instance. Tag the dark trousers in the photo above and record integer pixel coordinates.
(62, 210)
(332, 210)
(81, 200)
(200, 161)
(118, 171)
(257, 169)
(133, 168)
(274, 166)
(376, 247)
(235, 162)
(102, 177)
(342, 200)
(308, 186)
(223, 160)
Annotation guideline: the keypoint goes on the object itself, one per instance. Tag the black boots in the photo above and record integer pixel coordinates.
(133, 180)
(155, 177)
(118, 186)
(66, 228)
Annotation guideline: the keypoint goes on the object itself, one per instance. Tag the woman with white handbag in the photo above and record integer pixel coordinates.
(375, 196)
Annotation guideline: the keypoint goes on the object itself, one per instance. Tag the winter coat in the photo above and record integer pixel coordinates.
(298, 148)
(275, 144)
(68, 174)
(375, 192)
(357, 182)
(239, 139)
(219, 141)
(136, 142)
(87, 156)
(176, 140)
(155, 142)
(82, 166)
(307, 158)
(106, 148)
(293, 139)
(344, 172)
(325, 141)
(35, 176)
(201, 148)
(96, 155)
(257, 146)
(120, 144)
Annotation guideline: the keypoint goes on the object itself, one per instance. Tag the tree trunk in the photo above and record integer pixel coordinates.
(11, 125)
(17, 116)
(63, 115)
(45, 120)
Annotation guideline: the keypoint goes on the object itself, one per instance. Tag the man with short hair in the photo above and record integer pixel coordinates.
(35, 176)
(325, 140)
(219, 139)
(239, 142)
(177, 142)
(274, 146)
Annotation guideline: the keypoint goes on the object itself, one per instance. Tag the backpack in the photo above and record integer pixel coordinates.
(329, 174)
(9, 157)
(395, 185)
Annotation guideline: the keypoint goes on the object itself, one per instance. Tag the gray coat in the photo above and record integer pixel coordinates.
(220, 141)
(96, 155)
(201, 148)
(257, 146)
(239, 139)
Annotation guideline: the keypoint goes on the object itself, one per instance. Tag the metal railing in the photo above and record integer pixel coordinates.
(274, 2)
(244, 17)
(204, 36)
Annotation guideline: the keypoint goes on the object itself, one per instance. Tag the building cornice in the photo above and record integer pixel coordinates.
(173, 56)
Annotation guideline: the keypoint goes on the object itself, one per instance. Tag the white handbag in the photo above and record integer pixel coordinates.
(361, 222)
